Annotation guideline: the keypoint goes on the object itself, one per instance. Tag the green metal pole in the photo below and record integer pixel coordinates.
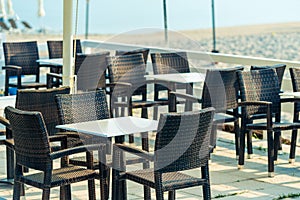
(213, 26)
(165, 20)
(87, 19)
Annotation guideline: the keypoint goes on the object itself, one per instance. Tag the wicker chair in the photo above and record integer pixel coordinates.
(127, 80)
(259, 91)
(220, 90)
(20, 60)
(83, 107)
(143, 51)
(167, 63)
(89, 70)
(34, 100)
(182, 143)
(295, 77)
(33, 151)
(280, 68)
(55, 50)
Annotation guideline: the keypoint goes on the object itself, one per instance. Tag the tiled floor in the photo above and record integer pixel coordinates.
(227, 182)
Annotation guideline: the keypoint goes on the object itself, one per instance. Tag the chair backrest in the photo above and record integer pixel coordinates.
(82, 107)
(128, 69)
(23, 54)
(143, 51)
(13, 23)
(295, 78)
(4, 26)
(182, 140)
(280, 68)
(31, 140)
(167, 63)
(55, 48)
(42, 101)
(259, 85)
(220, 89)
(90, 70)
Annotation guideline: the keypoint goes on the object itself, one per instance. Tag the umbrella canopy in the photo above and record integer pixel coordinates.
(41, 10)
(10, 9)
(2, 9)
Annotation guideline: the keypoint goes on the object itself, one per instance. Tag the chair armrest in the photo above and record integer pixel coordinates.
(112, 85)
(136, 151)
(254, 103)
(75, 150)
(187, 97)
(290, 100)
(50, 65)
(57, 138)
(5, 122)
(54, 75)
(12, 67)
(71, 134)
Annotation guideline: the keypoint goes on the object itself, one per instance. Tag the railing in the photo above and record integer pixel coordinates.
(216, 57)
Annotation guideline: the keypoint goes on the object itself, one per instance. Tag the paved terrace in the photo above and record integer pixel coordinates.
(227, 182)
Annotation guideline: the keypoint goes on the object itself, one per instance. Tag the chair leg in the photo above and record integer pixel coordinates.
(276, 144)
(237, 138)
(92, 192)
(171, 195)
(293, 146)
(18, 186)
(17, 190)
(206, 186)
(242, 148)
(270, 154)
(249, 144)
(155, 113)
(46, 194)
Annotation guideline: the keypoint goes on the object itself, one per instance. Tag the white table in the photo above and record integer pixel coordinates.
(192, 77)
(52, 61)
(113, 127)
(181, 78)
(290, 94)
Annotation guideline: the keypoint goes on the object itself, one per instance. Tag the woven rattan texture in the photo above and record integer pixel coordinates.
(260, 85)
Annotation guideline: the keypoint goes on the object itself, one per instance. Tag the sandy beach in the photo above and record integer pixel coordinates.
(279, 41)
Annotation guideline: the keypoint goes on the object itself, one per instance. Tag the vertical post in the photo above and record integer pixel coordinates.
(87, 19)
(165, 20)
(213, 26)
(68, 63)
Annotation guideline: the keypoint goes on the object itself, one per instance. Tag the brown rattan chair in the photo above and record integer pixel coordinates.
(280, 68)
(34, 100)
(55, 50)
(74, 108)
(259, 91)
(168, 63)
(20, 60)
(144, 51)
(220, 90)
(127, 79)
(182, 143)
(295, 77)
(33, 150)
(89, 70)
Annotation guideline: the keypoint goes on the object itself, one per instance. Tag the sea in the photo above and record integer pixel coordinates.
(118, 16)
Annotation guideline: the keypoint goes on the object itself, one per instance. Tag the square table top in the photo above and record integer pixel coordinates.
(113, 127)
(192, 77)
(52, 61)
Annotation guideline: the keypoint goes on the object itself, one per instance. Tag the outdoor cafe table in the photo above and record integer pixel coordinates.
(113, 127)
(178, 78)
(53, 61)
